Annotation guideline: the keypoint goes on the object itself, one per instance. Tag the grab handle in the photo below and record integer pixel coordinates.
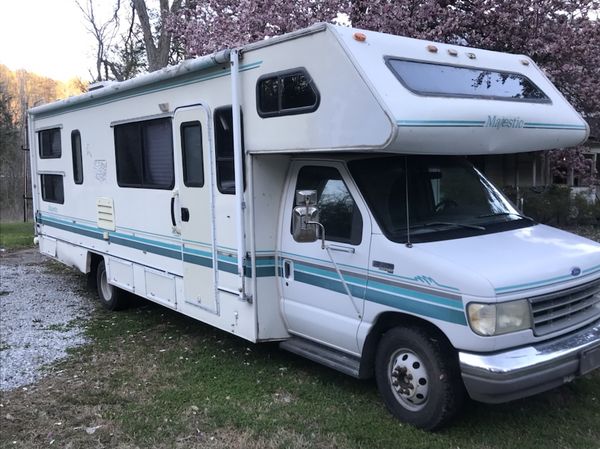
(173, 211)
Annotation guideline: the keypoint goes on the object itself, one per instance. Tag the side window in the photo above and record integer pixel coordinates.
(191, 147)
(223, 118)
(49, 142)
(144, 154)
(77, 158)
(286, 93)
(338, 212)
(52, 188)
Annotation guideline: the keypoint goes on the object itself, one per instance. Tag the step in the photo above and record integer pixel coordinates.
(324, 355)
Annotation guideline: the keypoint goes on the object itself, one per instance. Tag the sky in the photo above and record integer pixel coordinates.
(47, 37)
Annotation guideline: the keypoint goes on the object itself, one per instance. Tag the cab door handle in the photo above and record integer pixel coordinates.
(287, 269)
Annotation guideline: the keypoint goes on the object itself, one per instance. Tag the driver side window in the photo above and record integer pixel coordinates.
(338, 212)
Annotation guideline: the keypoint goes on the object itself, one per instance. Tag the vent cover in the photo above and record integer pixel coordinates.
(105, 213)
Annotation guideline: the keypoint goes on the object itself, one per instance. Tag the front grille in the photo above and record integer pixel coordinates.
(566, 308)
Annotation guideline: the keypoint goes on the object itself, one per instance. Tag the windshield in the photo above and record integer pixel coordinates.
(441, 198)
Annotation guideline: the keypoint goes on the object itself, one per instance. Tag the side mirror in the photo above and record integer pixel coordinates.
(305, 217)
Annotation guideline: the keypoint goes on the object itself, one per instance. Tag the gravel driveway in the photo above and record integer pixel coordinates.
(43, 308)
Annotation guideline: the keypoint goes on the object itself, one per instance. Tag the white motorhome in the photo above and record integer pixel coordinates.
(313, 189)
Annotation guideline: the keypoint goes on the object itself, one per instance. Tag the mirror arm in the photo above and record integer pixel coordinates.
(316, 223)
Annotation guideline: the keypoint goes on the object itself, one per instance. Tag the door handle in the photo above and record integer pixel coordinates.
(287, 269)
(185, 214)
(342, 249)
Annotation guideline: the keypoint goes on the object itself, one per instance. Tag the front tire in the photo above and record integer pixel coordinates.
(418, 378)
(111, 297)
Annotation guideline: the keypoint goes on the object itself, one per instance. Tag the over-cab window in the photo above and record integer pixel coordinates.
(224, 149)
(144, 154)
(426, 78)
(77, 158)
(338, 212)
(52, 188)
(49, 143)
(286, 93)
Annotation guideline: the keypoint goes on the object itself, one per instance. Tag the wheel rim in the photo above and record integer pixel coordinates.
(408, 379)
(105, 287)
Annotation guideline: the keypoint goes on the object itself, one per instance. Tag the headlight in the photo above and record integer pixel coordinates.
(501, 318)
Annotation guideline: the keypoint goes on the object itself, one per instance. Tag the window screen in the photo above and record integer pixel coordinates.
(338, 212)
(438, 79)
(191, 147)
(77, 158)
(224, 149)
(286, 93)
(144, 154)
(52, 188)
(49, 142)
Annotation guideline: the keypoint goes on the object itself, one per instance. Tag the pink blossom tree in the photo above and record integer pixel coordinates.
(205, 26)
(560, 35)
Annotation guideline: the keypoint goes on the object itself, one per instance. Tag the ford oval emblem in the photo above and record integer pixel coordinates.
(576, 271)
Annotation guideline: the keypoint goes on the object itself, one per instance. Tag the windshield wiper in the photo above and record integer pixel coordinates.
(448, 223)
(504, 214)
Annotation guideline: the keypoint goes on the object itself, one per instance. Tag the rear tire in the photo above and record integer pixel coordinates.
(418, 378)
(111, 297)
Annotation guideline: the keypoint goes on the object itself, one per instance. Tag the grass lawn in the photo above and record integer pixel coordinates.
(16, 235)
(153, 378)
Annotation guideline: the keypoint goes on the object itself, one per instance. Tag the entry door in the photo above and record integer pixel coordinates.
(192, 205)
(316, 304)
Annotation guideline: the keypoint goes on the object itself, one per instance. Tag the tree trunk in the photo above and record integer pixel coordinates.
(158, 55)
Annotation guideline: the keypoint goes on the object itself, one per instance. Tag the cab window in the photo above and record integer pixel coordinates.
(338, 211)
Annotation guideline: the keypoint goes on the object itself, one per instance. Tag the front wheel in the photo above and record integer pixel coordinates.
(111, 297)
(418, 379)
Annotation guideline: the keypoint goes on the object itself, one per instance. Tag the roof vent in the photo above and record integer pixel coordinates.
(100, 84)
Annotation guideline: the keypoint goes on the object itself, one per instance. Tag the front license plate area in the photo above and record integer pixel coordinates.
(590, 360)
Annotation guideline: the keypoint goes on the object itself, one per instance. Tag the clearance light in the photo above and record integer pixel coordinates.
(471, 55)
(452, 52)
(432, 48)
(360, 37)
(524, 62)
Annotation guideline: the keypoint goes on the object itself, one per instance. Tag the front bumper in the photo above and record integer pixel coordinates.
(522, 372)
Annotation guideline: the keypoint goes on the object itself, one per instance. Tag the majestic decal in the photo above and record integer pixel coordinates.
(504, 122)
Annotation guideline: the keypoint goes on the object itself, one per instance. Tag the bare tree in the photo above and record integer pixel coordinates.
(104, 33)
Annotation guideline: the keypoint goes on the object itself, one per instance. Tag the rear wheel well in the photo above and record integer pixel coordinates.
(385, 322)
(93, 260)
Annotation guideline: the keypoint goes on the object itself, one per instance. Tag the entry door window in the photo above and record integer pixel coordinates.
(338, 212)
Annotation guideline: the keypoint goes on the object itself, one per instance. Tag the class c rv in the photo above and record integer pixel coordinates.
(314, 189)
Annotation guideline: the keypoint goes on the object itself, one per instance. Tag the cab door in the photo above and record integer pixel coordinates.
(324, 289)
(191, 205)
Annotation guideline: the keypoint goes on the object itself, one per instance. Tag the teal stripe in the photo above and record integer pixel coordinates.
(184, 80)
(329, 284)
(560, 125)
(441, 123)
(549, 281)
(428, 297)
(203, 258)
(328, 273)
(481, 123)
(407, 304)
(418, 308)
